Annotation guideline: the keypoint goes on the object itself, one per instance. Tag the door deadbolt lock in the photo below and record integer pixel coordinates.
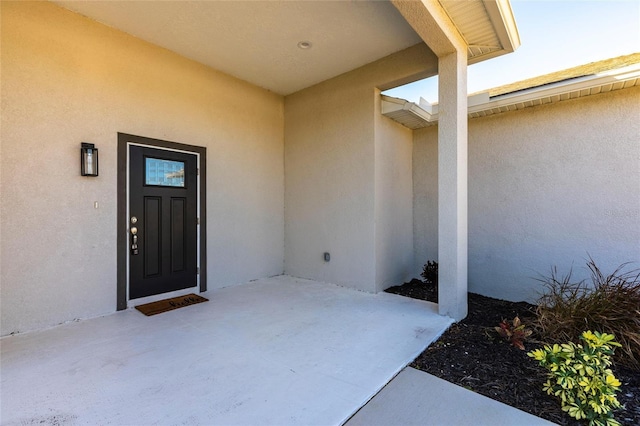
(134, 219)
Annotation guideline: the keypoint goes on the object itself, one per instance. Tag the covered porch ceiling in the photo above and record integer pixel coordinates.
(286, 46)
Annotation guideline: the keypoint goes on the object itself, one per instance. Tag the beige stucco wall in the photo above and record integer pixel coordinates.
(548, 185)
(329, 189)
(333, 179)
(67, 79)
(393, 201)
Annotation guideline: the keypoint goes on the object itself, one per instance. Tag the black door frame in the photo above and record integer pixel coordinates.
(124, 140)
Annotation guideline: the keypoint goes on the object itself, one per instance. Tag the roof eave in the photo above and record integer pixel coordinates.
(504, 24)
(416, 116)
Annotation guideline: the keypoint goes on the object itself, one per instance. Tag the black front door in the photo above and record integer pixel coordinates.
(163, 221)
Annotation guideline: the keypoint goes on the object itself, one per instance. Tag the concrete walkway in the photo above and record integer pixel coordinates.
(417, 398)
(278, 351)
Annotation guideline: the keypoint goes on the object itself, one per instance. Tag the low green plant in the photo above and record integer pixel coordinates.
(609, 303)
(514, 332)
(579, 375)
(430, 272)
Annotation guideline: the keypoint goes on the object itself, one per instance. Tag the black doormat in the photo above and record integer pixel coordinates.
(165, 305)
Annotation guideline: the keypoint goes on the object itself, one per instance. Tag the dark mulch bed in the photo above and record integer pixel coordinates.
(472, 355)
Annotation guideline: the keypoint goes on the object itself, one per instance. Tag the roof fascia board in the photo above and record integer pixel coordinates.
(504, 23)
(559, 88)
(391, 105)
(432, 23)
(481, 102)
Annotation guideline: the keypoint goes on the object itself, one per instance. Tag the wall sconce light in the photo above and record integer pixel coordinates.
(88, 160)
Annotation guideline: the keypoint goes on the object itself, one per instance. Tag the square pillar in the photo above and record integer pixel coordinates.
(452, 185)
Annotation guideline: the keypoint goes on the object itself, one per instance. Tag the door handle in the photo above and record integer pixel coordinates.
(134, 240)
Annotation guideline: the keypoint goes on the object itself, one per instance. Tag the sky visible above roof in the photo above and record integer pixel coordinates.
(556, 35)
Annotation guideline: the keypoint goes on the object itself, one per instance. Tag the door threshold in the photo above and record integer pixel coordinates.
(143, 300)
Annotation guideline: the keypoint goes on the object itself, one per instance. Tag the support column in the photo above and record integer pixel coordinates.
(452, 185)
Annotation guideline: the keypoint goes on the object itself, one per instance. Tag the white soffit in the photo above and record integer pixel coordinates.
(488, 27)
(416, 116)
(257, 41)
(407, 113)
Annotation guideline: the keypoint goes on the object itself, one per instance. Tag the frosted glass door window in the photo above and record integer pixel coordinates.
(164, 172)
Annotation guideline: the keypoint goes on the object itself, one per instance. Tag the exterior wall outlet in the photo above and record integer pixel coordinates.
(327, 257)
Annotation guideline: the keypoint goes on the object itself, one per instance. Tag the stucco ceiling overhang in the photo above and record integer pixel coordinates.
(257, 41)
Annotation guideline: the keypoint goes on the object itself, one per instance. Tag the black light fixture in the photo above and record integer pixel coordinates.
(88, 160)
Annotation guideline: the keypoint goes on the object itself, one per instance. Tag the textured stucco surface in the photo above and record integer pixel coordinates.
(333, 173)
(393, 202)
(329, 195)
(65, 80)
(548, 185)
(452, 185)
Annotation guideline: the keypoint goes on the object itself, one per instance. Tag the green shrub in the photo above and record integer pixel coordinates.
(430, 272)
(609, 304)
(580, 377)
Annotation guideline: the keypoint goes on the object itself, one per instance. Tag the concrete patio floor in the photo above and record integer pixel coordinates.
(277, 351)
